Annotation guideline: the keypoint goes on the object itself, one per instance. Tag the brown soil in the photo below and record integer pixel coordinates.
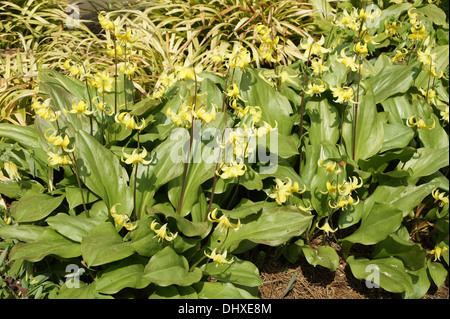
(321, 283)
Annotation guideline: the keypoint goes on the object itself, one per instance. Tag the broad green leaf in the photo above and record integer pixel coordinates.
(174, 292)
(378, 163)
(74, 198)
(48, 243)
(437, 272)
(34, 206)
(435, 138)
(431, 13)
(399, 108)
(104, 245)
(273, 227)
(412, 255)
(102, 173)
(26, 233)
(220, 290)
(17, 189)
(421, 283)
(369, 128)
(24, 135)
(388, 273)
(393, 79)
(380, 221)
(396, 136)
(426, 162)
(324, 256)
(143, 239)
(73, 227)
(324, 122)
(128, 273)
(84, 291)
(239, 272)
(167, 268)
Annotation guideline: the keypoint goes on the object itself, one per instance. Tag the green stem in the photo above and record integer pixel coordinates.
(305, 73)
(356, 109)
(77, 174)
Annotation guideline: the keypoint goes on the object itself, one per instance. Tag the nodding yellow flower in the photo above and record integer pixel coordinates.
(44, 111)
(344, 202)
(187, 71)
(103, 82)
(349, 21)
(162, 233)
(391, 28)
(136, 157)
(283, 190)
(305, 209)
(426, 57)
(240, 58)
(122, 220)
(331, 189)
(318, 67)
(80, 108)
(315, 89)
(223, 221)
(233, 170)
(445, 114)
(326, 228)
(265, 129)
(349, 186)
(255, 113)
(349, 62)
(312, 47)
(431, 71)
(331, 166)
(102, 106)
(440, 196)
(206, 116)
(126, 36)
(420, 124)
(234, 94)
(430, 95)
(413, 19)
(12, 171)
(361, 49)
(128, 69)
(58, 140)
(113, 51)
(127, 119)
(219, 258)
(417, 34)
(437, 251)
(58, 159)
(343, 94)
(105, 22)
(399, 55)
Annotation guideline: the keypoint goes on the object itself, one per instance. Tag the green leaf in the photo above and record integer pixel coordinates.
(273, 227)
(84, 291)
(324, 122)
(104, 245)
(73, 227)
(239, 272)
(379, 222)
(393, 79)
(143, 239)
(426, 162)
(24, 135)
(412, 255)
(26, 233)
(74, 198)
(388, 273)
(220, 290)
(128, 273)
(174, 292)
(421, 283)
(102, 173)
(324, 256)
(34, 206)
(167, 268)
(437, 272)
(48, 243)
(396, 136)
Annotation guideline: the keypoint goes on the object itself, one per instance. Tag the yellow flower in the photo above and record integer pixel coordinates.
(348, 21)
(413, 19)
(331, 189)
(58, 140)
(426, 57)
(239, 58)
(305, 209)
(445, 114)
(105, 22)
(349, 62)
(126, 36)
(391, 28)
(80, 108)
(399, 55)
(44, 111)
(188, 72)
(420, 124)
(331, 166)
(128, 68)
(440, 196)
(318, 67)
(417, 34)
(127, 119)
(58, 159)
(162, 233)
(206, 116)
(103, 82)
(12, 171)
(314, 89)
(431, 71)
(223, 221)
(312, 47)
(219, 258)
(283, 190)
(344, 202)
(326, 228)
(255, 112)
(102, 106)
(430, 95)
(265, 129)
(343, 95)
(437, 251)
(122, 220)
(361, 49)
(136, 157)
(233, 170)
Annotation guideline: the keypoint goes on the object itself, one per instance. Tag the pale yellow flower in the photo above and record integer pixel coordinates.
(326, 228)
(313, 47)
(80, 108)
(440, 197)
(349, 62)
(136, 157)
(420, 124)
(283, 190)
(418, 34)
(437, 251)
(58, 140)
(233, 170)
(223, 221)
(330, 166)
(219, 258)
(122, 220)
(315, 89)
(127, 119)
(12, 171)
(399, 55)
(343, 94)
(162, 233)
(58, 159)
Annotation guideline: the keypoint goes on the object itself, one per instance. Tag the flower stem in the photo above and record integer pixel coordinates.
(77, 174)
(356, 109)
(305, 73)
(135, 178)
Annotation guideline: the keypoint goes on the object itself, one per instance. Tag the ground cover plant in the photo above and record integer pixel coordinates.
(129, 185)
